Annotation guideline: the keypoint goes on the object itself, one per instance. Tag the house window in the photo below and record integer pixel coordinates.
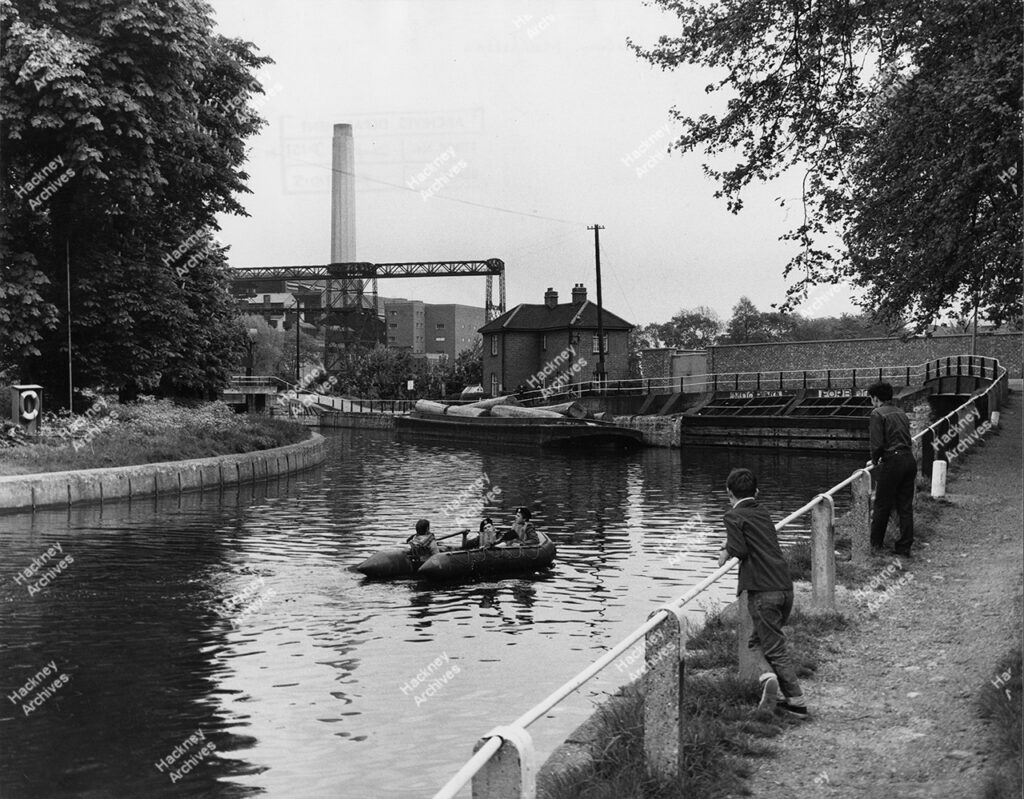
(494, 344)
(391, 339)
(440, 325)
(266, 299)
(393, 325)
(494, 384)
(593, 344)
(440, 338)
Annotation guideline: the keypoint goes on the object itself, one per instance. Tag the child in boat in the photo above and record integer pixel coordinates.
(488, 536)
(523, 532)
(422, 543)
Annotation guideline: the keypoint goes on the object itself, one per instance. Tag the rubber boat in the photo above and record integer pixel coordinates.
(458, 563)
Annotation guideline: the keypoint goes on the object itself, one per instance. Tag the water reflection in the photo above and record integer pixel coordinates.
(239, 615)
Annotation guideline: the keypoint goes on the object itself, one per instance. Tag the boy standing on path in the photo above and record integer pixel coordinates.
(764, 575)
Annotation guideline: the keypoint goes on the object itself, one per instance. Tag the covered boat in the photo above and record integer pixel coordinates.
(502, 421)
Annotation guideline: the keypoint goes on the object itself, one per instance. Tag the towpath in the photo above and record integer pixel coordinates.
(895, 711)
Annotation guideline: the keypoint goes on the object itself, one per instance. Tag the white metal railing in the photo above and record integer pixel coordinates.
(514, 775)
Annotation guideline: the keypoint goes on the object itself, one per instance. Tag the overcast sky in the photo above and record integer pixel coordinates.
(539, 107)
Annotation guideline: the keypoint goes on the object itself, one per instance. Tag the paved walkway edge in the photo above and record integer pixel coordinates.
(23, 492)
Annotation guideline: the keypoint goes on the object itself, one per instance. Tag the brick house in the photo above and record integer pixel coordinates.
(533, 346)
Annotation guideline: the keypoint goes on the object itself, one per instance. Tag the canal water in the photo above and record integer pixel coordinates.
(222, 646)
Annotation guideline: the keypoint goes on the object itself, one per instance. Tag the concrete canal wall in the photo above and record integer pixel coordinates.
(658, 431)
(360, 421)
(52, 489)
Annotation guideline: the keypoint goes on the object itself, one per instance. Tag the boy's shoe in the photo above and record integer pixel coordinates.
(769, 691)
(797, 711)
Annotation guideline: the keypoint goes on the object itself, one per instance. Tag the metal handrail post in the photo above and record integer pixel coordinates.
(510, 771)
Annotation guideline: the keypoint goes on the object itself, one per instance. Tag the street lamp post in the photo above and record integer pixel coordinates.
(250, 347)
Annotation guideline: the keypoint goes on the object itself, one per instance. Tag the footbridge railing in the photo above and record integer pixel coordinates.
(300, 400)
(504, 764)
(832, 379)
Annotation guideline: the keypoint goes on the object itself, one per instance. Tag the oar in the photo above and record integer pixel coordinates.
(443, 537)
(451, 535)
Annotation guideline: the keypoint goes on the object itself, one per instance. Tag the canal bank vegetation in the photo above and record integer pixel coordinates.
(155, 431)
(723, 728)
(1000, 704)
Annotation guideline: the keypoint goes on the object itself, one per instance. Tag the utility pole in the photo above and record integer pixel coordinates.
(601, 374)
(297, 342)
(67, 274)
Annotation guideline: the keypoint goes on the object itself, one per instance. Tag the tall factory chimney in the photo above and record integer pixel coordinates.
(343, 196)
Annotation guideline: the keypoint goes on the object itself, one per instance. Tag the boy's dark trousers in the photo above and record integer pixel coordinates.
(896, 476)
(769, 610)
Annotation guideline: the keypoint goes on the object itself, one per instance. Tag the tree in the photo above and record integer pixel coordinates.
(906, 121)
(745, 323)
(469, 366)
(694, 329)
(845, 326)
(123, 130)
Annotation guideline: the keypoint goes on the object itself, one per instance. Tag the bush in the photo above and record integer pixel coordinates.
(111, 434)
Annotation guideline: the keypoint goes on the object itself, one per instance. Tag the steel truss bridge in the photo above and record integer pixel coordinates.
(349, 311)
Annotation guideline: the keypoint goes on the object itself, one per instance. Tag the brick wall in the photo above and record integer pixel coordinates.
(784, 355)
(656, 362)
(520, 357)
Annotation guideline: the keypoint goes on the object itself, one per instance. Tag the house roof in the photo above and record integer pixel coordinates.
(561, 317)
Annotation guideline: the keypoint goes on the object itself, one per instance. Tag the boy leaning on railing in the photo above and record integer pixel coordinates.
(764, 575)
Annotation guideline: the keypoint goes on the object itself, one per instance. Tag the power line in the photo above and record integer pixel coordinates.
(439, 196)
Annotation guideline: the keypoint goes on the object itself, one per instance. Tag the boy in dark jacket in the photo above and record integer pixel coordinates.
(764, 575)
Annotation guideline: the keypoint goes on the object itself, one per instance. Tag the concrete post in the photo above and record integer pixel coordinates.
(823, 554)
(994, 419)
(751, 661)
(939, 479)
(511, 773)
(860, 518)
(664, 671)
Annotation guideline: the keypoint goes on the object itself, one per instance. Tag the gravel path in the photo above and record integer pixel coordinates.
(895, 711)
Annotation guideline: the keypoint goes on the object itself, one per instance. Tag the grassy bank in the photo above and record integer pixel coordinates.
(723, 728)
(1001, 705)
(112, 434)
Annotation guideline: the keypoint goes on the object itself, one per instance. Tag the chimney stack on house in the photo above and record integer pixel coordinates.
(551, 298)
(579, 294)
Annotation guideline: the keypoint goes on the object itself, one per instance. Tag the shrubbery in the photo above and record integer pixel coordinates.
(112, 434)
